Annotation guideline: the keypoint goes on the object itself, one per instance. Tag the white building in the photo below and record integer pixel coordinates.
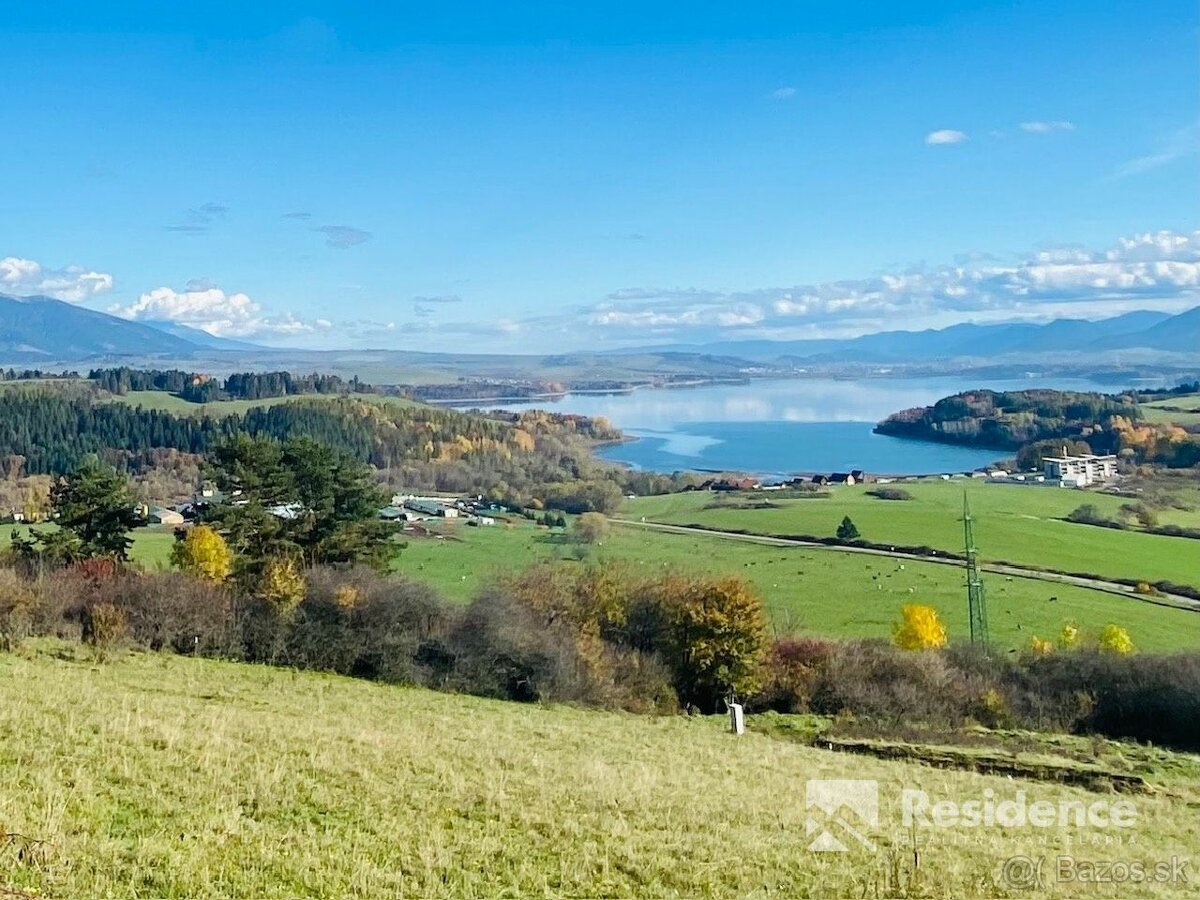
(1080, 471)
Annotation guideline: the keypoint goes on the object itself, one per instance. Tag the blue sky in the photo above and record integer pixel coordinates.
(539, 176)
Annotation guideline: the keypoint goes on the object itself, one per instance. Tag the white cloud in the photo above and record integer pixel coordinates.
(1154, 269)
(217, 312)
(784, 93)
(1047, 127)
(28, 278)
(945, 136)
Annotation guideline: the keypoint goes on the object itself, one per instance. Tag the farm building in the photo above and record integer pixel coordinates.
(160, 515)
(430, 507)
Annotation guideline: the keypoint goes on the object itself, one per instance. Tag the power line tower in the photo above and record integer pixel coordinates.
(976, 602)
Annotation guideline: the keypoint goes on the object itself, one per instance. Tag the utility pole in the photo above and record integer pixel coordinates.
(976, 602)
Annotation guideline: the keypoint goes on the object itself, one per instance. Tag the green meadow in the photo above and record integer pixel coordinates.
(1169, 410)
(172, 403)
(806, 591)
(1022, 524)
(159, 776)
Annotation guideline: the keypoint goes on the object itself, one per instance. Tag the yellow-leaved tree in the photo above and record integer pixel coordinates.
(1069, 636)
(282, 585)
(1115, 639)
(1040, 646)
(203, 552)
(919, 628)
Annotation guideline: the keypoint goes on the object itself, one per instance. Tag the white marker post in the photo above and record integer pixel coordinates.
(737, 719)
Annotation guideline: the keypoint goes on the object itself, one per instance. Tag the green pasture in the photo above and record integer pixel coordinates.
(172, 403)
(1021, 524)
(1169, 410)
(806, 591)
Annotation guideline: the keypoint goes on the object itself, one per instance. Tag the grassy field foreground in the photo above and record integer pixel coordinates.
(160, 776)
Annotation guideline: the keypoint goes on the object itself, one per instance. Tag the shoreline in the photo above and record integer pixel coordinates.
(558, 396)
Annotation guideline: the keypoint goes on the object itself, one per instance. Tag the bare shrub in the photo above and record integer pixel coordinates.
(17, 602)
(791, 673)
(359, 623)
(177, 611)
(502, 649)
(883, 683)
(104, 626)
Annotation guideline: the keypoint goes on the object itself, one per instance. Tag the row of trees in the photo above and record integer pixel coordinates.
(531, 459)
(292, 504)
(198, 388)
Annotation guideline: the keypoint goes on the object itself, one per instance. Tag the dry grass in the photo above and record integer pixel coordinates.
(159, 776)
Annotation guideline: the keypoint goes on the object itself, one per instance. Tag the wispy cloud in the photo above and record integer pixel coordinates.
(945, 136)
(783, 93)
(343, 236)
(1183, 143)
(28, 278)
(297, 215)
(438, 298)
(200, 219)
(1046, 127)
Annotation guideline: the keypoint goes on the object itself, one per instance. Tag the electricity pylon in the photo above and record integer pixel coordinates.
(976, 602)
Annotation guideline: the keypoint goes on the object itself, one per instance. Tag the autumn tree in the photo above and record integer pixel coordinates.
(1068, 637)
(714, 638)
(1114, 639)
(590, 528)
(281, 585)
(204, 553)
(919, 628)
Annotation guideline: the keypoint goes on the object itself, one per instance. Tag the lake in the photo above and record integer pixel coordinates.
(777, 428)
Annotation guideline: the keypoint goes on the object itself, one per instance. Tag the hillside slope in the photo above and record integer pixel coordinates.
(161, 776)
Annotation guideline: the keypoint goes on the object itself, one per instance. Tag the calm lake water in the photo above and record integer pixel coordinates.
(775, 428)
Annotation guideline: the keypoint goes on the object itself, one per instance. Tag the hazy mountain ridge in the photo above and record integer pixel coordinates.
(44, 330)
(1142, 329)
(41, 330)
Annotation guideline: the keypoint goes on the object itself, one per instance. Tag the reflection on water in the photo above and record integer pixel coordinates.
(783, 427)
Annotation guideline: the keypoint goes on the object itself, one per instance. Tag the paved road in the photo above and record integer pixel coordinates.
(1096, 584)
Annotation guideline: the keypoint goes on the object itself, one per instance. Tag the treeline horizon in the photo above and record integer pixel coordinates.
(530, 459)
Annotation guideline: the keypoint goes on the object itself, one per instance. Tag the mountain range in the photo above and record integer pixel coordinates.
(41, 330)
(1142, 330)
(44, 330)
